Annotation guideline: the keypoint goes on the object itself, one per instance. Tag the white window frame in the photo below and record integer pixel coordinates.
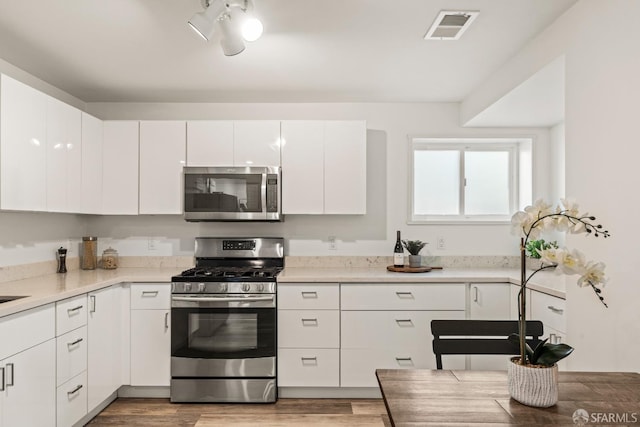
(511, 145)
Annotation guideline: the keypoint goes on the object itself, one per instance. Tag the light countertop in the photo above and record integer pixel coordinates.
(55, 287)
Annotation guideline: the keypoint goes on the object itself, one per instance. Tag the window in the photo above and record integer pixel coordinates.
(469, 179)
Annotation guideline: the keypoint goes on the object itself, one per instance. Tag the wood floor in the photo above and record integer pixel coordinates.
(285, 412)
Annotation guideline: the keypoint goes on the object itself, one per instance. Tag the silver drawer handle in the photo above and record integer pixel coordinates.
(309, 359)
(150, 293)
(404, 295)
(313, 322)
(75, 390)
(404, 361)
(555, 310)
(309, 294)
(2, 379)
(71, 310)
(400, 322)
(78, 341)
(12, 381)
(166, 320)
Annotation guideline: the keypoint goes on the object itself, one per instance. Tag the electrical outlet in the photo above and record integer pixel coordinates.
(440, 244)
(333, 246)
(69, 247)
(152, 244)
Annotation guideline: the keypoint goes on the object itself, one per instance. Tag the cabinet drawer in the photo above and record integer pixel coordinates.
(26, 329)
(355, 296)
(71, 350)
(549, 309)
(72, 400)
(150, 296)
(71, 313)
(309, 328)
(358, 366)
(315, 367)
(401, 330)
(323, 296)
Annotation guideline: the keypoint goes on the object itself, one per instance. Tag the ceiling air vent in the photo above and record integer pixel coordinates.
(450, 25)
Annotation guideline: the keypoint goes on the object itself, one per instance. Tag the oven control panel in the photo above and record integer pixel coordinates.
(223, 287)
(238, 245)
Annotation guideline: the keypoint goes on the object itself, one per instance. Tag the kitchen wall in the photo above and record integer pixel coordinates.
(601, 138)
(387, 184)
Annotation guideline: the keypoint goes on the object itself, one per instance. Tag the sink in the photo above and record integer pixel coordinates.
(8, 299)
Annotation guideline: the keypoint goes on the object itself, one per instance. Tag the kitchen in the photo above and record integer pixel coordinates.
(598, 108)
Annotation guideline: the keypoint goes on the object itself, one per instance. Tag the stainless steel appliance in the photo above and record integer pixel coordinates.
(232, 194)
(223, 322)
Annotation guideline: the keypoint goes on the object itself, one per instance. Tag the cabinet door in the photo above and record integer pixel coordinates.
(303, 167)
(345, 167)
(120, 168)
(23, 137)
(256, 143)
(103, 350)
(490, 301)
(162, 156)
(91, 182)
(150, 348)
(210, 143)
(29, 396)
(64, 157)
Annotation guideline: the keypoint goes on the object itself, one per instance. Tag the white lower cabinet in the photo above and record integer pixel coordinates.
(28, 389)
(150, 334)
(309, 339)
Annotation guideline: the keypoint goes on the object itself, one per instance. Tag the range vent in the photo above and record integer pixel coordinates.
(450, 25)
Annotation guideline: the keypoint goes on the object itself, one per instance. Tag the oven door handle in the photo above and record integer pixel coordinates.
(223, 299)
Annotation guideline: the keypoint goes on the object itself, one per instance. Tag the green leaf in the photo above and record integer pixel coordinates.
(552, 353)
(538, 351)
(515, 340)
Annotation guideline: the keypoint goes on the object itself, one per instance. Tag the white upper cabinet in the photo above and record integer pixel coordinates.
(210, 143)
(23, 133)
(324, 167)
(91, 182)
(303, 167)
(256, 143)
(162, 156)
(64, 157)
(345, 167)
(120, 168)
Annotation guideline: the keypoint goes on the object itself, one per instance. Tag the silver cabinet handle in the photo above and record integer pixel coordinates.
(150, 293)
(74, 309)
(555, 310)
(401, 322)
(92, 299)
(10, 365)
(309, 322)
(309, 359)
(166, 321)
(75, 390)
(404, 295)
(78, 341)
(475, 294)
(2, 380)
(404, 361)
(309, 294)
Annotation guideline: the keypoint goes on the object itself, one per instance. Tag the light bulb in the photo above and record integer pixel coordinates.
(252, 29)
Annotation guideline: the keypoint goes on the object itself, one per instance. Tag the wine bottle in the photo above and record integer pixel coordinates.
(398, 253)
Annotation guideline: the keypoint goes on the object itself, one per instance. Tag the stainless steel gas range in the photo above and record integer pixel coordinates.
(223, 322)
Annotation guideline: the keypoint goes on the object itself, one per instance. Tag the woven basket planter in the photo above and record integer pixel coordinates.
(533, 386)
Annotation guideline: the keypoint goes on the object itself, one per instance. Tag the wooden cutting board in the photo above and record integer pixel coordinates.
(411, 269)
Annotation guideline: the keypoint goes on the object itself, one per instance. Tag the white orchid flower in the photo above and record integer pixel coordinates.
(570, 262)
(549, 256)
(593, 274)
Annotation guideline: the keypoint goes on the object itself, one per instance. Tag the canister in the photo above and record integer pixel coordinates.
(109, 259)
(89, 255)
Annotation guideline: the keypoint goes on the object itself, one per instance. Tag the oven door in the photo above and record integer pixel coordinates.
(223, 336)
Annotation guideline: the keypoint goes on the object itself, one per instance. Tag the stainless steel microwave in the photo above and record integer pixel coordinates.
(232, 193)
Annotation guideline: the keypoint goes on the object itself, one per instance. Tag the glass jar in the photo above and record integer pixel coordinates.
(109, 259)
(89, 255)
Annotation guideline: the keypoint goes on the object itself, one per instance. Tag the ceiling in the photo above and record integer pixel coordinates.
(311, 50)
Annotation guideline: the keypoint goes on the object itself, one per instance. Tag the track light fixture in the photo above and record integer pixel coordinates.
(232, 19)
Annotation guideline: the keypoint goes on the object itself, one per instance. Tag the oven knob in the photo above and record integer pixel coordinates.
(200, 287)
(223, 287)
(187, 287)
(246, 287)
(260, 287)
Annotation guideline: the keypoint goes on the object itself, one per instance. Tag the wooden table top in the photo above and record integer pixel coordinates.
(472, 398)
